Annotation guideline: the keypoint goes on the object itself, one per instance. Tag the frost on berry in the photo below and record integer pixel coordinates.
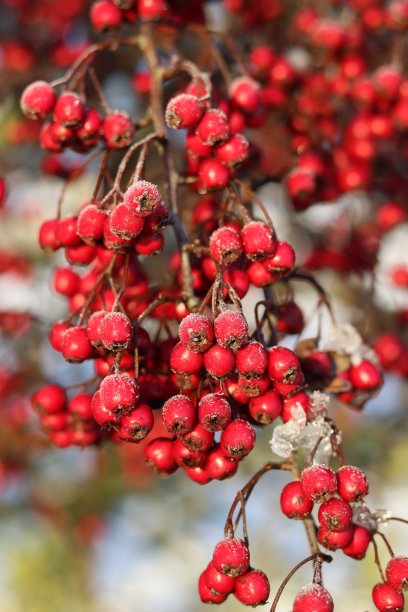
(231, 329)
(225, 245)
(183, 111)
(231, 557)
(313, 597)
(38, 99)
(142, 198)
(196, 332)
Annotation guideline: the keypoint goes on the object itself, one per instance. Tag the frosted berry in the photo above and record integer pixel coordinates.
(231, 329)
(196, 332)
(396, 573)
(214, 412)
(119, 394)
(313, 597)
(258, 239)
(293, 501)
(231, 557)
(319, 483)
(237, 439)
(225, 245)
(219, 361)
(352, 483)
(142, 198)
(115, 331)
(183, 111)
(124, 224)
(179, 414)
(118, 130)
(198, 438)
(76, 346)
(69, 109)
(37, 100)
(252, 588)
(90, 224)
(387, 599)
(213, 127)
(159, 456)
(335, 514)
(283, 261)
(104, 417)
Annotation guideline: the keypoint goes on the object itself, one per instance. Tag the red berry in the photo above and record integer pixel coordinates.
(65, 281)
(105, 15)
(90, 224)
(90, 130)
(332, 540)
(283, 261)
(352, 483)
(179, 414)
(231, 557)
(93, 326)
(118, 130)
(225, 245)
(292, 404)
(75, 345)
(359, 543)
(206, 594)
(196, 332)
(198, 474)
(335, 514)
(313, 597)
(218, 466)
(119, 394)
(67, 232)
(49, 399)
(218, 582)
(184, 361)
(252, 360)
(69, 109)
(258, 240)
(214, 412)
(150, 9)
(213, 174)
(183, 111)
(124, 224)
(284, 364)
(252, 588)
(396, 573)
(56, 334)
(213, 127)
(231, 329)
(293, 501)
(387, 599)
(319, 483)
(159, 456)
(115, 331)
(237, 439)
(48, 235)
(142, 198)
(366, 376)
(37, 100)
(104, 417)
(137, 424)
(244, 93)
(186, 458)
(80, 406)
(265, 408)
(198, 439)
(219, 361)
(233, 151)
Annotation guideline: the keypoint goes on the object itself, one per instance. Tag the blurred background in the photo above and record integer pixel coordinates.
(93, 530)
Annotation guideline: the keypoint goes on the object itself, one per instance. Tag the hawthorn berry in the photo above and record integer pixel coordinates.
(119, 394)
(319, 483)
(313, 597)
(231, 329)
(396, 573)
(179, 414)
(37, 100)
(352, 483)
(214, 412)
(183, 111)
(293, 501)
(196, 332)
(142, 198)
(115, 331)
(387, 599)
(237, 439)
(252, 588)
(231, 557)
